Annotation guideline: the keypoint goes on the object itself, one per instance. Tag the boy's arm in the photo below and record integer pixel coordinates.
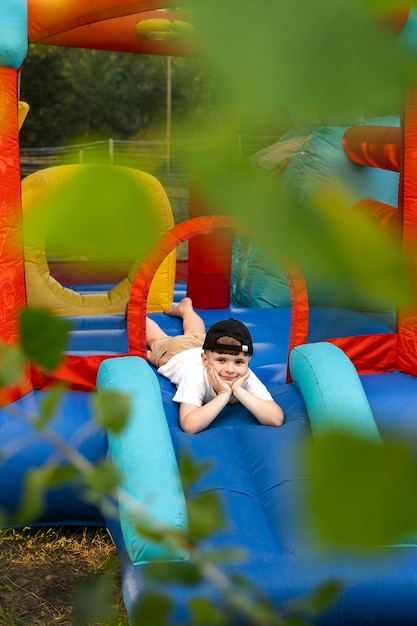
(193, 418)
(267, 412)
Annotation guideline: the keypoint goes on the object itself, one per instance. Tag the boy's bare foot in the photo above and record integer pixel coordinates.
(183, 306)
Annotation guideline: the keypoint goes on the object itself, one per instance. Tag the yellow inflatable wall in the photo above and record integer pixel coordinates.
(43, 290)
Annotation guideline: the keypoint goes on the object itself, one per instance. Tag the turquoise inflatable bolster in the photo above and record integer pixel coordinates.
(13, 33)
(144, 455)
(332, 391)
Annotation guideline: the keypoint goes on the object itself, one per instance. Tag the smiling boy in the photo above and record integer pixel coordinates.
(210, 370)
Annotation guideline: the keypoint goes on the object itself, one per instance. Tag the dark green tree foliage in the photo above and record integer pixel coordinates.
(48, 90)
(117, 94)
(81, 95)
(196, 93)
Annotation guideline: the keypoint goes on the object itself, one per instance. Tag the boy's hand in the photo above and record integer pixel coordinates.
(216, 382)
(240, 382)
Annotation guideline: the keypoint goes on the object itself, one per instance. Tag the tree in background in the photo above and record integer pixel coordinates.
(79, 95)
(48, 90)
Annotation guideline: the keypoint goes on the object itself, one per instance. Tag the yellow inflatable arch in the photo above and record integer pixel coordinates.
(43, 290)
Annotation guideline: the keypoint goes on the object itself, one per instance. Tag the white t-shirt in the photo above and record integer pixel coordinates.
(187, 372)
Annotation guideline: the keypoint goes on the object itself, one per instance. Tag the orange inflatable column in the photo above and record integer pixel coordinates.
(209, 264)
(376, 146)
(12, 289)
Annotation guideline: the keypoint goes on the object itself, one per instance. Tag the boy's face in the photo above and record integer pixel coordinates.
(227, 366)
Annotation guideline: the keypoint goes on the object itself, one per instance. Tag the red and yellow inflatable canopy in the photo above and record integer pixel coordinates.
(140, 26)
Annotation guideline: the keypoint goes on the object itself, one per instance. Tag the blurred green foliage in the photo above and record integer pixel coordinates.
(102, 213)
(363, 493)
(312, 55)
(78, 95)
(43, 337)
(290, 59)
(293, 60)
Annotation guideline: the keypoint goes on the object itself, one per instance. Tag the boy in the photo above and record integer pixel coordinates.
(209, 369)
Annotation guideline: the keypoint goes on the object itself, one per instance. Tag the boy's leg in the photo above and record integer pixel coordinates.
(191, 321)
(153, 332)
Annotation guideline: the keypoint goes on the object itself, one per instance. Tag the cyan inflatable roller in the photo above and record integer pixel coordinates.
(332, 391)
(143, 453)
(407, 38)
(13, 33)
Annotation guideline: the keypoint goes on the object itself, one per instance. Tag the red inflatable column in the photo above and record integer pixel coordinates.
(407, 318)
(12, 289)
(209, 263)
(12, 283)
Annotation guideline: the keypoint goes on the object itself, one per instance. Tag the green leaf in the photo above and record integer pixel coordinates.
(313, 605)
(5, 518)
(205, 516)
(247, 600)
(190, 470)
(226, 555)
(324, 596)
(44, 337)
(62, 474)
(151, 608)
(112, 409)
(12, 365)
(204, 612)
(185, 573)
(49, 406)
(363, 493)
(37, 482)
(103, 478)
(147, 529)
(33, 498)
(93, 600)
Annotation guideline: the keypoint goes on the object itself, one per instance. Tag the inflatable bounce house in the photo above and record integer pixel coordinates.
(329, 364)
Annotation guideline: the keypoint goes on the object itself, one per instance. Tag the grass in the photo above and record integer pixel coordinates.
(41, 568)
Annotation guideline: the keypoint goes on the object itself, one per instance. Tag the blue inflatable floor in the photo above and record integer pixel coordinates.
(258, 473)
(260, 477)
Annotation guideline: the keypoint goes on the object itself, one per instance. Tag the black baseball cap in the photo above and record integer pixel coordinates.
(229, 328)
